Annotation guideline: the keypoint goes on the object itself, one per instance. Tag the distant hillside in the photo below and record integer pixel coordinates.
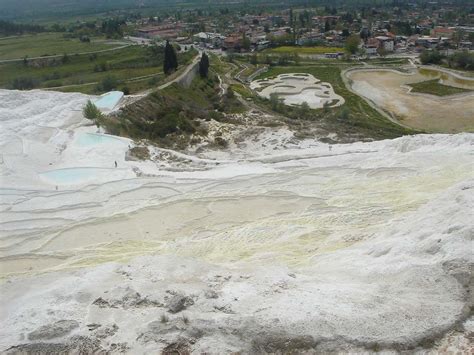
(31, 10)
(35, 9)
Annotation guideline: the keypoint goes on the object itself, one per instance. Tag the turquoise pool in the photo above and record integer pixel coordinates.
(109, 100)
(71, 176)
(92, 139)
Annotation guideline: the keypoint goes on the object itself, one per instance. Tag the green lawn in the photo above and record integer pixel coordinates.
(45, 44)
(83, 72)
(303, 50)
(361, 117)
(242, 90)
(221, 66)
(433, 87)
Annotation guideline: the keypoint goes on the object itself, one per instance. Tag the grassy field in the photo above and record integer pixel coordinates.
(45, 44)
(133, 85)
(242, 90)
(221, 66)
(303, 50)
(433, 87)
(134, 67)
(355, 116)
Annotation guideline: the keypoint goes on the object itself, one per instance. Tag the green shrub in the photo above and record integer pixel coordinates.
(431, 57)
(108, 83)
(91, 111)
(344, 115)
(24, 83)
(126, 90)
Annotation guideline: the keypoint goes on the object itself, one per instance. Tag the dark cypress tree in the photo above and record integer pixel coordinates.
(204, 66)
(174, 58)
(167, 60)
(171, 60)
(327, 26)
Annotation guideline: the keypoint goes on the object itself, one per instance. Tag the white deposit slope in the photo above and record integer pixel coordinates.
(361, 246)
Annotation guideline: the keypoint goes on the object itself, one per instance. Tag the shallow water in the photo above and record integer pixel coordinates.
(447, 79)
(70, 176)
(91, 139)
(109, 100)
(387, 89)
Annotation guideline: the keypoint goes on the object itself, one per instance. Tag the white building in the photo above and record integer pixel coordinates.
(386, 43)
(211, 38)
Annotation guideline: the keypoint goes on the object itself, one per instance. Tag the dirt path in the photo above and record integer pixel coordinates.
(183, 74)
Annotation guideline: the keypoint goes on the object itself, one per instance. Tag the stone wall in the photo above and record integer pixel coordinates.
(187, 78)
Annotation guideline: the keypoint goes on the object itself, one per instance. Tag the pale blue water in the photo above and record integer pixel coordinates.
(72, 175)
(109, 100)
(91, 139)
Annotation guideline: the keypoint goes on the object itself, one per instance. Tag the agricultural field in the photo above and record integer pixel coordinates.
(135, 67)
(49, 44)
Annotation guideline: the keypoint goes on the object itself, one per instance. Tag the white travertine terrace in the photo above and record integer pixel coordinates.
(359, 245)
(296, 88)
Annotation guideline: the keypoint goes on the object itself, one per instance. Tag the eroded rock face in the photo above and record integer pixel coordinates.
(181, 347)
(211, 294)
(125, 298)
(76, 345)
(105, 332)
(178, 303)
(281, 344)
(53, 330)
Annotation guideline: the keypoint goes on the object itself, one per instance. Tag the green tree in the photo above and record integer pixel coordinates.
(275, 102)
(304, 109)
(126, 90)
(327, 26)
(204, 66)
(245, 42)
(108, 83)
(431, 57)
(296, 58)
(91, 112)
(65, 59)
(344, 114)
(170, 62)
(24, 83)
(254, 59)
(458, 37)
(352, 44)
